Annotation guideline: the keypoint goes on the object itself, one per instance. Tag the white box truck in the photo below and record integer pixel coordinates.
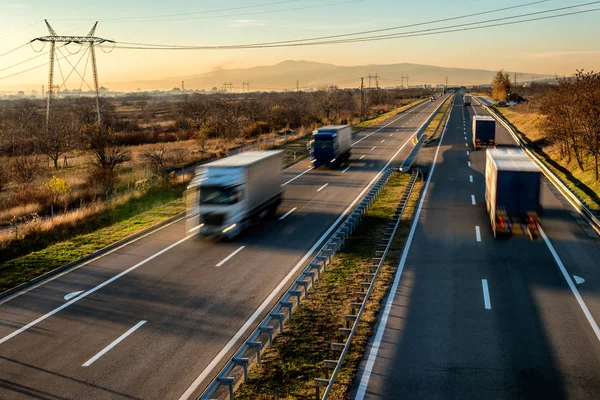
(227, 195)
(467, 100)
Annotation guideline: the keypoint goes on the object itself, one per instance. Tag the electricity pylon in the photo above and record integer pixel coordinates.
(91, 41)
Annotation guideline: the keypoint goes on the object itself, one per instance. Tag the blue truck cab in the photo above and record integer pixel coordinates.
(331, 146)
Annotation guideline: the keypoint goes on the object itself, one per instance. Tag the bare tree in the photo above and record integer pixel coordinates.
(25, 170)
(501, 86)
(59, 138)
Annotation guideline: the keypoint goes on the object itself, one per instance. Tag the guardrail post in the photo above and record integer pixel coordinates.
(269, 331)
(257, 346)
(279, 317)
(297, 294)
(244, 362)
(320, 382)
(289, 305)
(227, 380)
(311, 275)
(304, 285)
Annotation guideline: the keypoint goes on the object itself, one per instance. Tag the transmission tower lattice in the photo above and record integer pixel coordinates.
(89, 40)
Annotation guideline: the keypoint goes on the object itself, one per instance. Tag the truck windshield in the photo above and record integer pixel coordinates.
(218, 195)
(323, 144)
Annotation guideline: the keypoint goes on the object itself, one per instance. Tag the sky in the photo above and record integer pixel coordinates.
(556, 46)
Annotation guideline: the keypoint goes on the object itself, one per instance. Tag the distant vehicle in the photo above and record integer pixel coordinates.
(484, 131)
(227, 195)
(331, 146)
(432, 98)
(467, 100)
(512, 192)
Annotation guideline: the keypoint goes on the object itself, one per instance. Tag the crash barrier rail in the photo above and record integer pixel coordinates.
(440, 126)
(431, 117)
(362, 296)
(573, 198)
(410, 160)
(236, 369)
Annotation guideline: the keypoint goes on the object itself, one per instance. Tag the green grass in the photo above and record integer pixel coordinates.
(287, 370)
(434, 129)
(89, 235)
(382, 117)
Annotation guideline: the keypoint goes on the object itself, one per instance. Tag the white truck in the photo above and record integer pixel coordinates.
(466, 100)
(227, 195)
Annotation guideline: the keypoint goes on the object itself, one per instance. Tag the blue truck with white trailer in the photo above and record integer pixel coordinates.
(331, 146)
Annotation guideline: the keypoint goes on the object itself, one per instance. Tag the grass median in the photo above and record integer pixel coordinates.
(287, 370)
(382, 117)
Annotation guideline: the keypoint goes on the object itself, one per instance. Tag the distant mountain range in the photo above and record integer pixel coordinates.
(308, 74)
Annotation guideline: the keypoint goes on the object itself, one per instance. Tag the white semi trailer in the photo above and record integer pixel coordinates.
(227, 195)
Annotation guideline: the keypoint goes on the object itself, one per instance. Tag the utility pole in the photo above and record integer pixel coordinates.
(377, 81)
(91, 41)
(362, 98)
(297, 86)
(407, 81)
(182, 86)
(369, 81)
(446, 81)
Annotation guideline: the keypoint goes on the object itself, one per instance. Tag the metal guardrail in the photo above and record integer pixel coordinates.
(362, 297)
(431, 117)
(575, 200)
(410, 160)
(250, 351)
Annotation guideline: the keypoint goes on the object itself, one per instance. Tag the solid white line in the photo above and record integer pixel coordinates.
(473, 199)
(374, 147)
(474, 110)
(297, 176)
(26, 290)
(322, 187)
(391, 122)
(100, 286)
(471, 178)
(486, 295)
(347, 168)
(469, 163)
(232, 342)
(364, 381)
(361, 157)
(477, 234)
(288, 213)
(572, 286)
(230, 256)
(113, 344)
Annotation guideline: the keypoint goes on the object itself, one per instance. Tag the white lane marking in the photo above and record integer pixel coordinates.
(465, 138)
(347, 168)
(113, 344)
(26, 290)
(230, 256)
(298, 176)
(486, 295)
(383, 140)
(474, 110)
(288, 213)
(467, 144)
(578, 280)
(388, 124)
(478, 233)
(397, 130)
(473, 199)
(391, 134)
(322, 187)
(361, 157)
(364, 380)
(471, 178)
(232, 342)
(374, 147)
(100, 286)
(469, 163)
(468, 152)
(71, 295)
(572, 286)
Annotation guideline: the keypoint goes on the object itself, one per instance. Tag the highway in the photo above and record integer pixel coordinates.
(471, 317)
(157, 318)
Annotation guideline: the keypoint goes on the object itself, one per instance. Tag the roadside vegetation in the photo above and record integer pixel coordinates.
(562, 125)
(436, 126)
(287, 369)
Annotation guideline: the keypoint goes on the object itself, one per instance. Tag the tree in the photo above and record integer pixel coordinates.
(159, 160)
(196, 110)
(501, 86)
(25, 170)
(58, 188)
(59, 138)
(4, 174)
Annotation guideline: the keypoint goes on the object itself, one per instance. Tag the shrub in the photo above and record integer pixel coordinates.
(58, 189)
(255, 130)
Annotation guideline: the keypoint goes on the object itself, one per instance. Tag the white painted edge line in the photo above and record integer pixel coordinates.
(571, 284)
(474, 110)
(322, 187)
(473, 199)
(347, 168)
(361, 157)
(288, 213)
(298, 176)
(215, 361)
(389, 123)
(83, 264)
(92, 290)
(113, 344)
(471, 178)
(486, 295)
(478, 234)
(229, 257)
(366, 376)
(69, 296)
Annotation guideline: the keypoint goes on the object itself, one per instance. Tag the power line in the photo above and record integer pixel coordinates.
(303, 42)
(21, 29)
(13, 50)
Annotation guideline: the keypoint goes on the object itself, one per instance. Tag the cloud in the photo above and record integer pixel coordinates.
(563, 53)
(246, 23)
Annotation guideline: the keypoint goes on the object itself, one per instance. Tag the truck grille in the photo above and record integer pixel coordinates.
(216, 219)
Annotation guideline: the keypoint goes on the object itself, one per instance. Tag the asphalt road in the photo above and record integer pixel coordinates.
(157, 318)
(479, 318)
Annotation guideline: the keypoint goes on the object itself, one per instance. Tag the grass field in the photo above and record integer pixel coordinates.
(287, 370)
